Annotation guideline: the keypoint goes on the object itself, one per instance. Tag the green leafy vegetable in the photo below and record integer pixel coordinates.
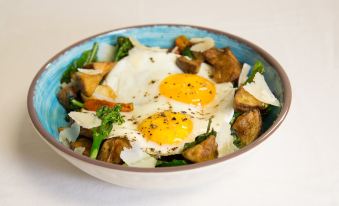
(86, 57)
(75, 104)
(108, 116)
(172, 163)
(187, 52)
(235, 116)
(92, 54)
(122, 48)
(202, 137)
(237, 142)
(258, 67)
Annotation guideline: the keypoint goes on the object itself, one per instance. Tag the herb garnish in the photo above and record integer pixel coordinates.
(86, 57)
(108, 116)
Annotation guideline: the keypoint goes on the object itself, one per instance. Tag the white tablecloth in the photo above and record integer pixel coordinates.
(299, 165)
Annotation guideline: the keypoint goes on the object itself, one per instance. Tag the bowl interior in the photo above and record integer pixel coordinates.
(51, 114)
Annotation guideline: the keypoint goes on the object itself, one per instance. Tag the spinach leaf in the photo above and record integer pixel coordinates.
(122, 48)
(258, 67)
(187, 52)
(86, 57)
(235, 116)
(202, 137)
(237, 142)
(172, 163)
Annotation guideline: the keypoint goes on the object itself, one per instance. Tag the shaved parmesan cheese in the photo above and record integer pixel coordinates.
(89, 71)
(224, 140)
(202, 44)
(86, 120)
(175, 50)
(243, 75)
(113, 82)
(69, 134)
(260, 90)
(137, 44)
(105, 52)
(135, 157)
(104, 92)
(79, 150)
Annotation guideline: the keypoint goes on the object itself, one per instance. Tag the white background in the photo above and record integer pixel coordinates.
(298, 165)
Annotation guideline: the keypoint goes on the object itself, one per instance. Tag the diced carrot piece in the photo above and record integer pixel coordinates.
(95, 104)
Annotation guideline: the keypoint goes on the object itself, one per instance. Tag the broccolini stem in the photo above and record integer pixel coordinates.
(93, 53)
(77, 103)
(95, 148)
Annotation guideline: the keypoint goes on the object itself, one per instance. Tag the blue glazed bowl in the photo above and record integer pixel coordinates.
(47, 114)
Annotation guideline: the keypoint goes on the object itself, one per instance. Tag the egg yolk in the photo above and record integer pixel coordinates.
(188, 88)
(166, 127)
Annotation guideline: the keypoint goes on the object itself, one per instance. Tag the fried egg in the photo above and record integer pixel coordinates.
(171, 108)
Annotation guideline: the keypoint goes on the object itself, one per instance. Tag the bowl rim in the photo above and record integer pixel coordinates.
(51, 140)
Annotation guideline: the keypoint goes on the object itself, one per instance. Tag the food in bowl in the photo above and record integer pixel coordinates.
(158, 107)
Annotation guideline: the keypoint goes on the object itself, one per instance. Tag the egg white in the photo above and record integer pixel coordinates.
(136, 78)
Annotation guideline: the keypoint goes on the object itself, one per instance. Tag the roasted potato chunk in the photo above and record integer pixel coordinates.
(111, 149)
(86, 132)
(244, 101)
(206, 150)
(187, 65)
(87, 83)
(182, 42)
(104, 67)
(226, 67)
(248, 126)
(82, 142)
(65, 94)
(198, 55)
(102, 92)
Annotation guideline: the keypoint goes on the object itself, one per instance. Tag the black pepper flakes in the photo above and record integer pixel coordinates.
(152, 82)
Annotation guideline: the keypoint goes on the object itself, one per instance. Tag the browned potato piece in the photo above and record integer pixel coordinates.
(111, 149)
(82, 142)
(198, 55)
(86, 132)
(226, 66)
(248, 125)
(206, 150)
(104, 67)
(182, 42)
(65, 94)
(87, 83)
(244, 101)
(187, 65)
(101, 92)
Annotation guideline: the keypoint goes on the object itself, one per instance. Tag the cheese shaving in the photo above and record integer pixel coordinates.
(105, 52)
(69, 134)
(243, 75)
(202, 44)
(260, 90)
(89, 71)
(85, 119)
(135, 157)
(79, 150)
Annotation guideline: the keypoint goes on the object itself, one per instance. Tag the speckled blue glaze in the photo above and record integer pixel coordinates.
(50, 112)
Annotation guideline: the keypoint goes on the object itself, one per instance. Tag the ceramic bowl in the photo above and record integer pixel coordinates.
(47, 114)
